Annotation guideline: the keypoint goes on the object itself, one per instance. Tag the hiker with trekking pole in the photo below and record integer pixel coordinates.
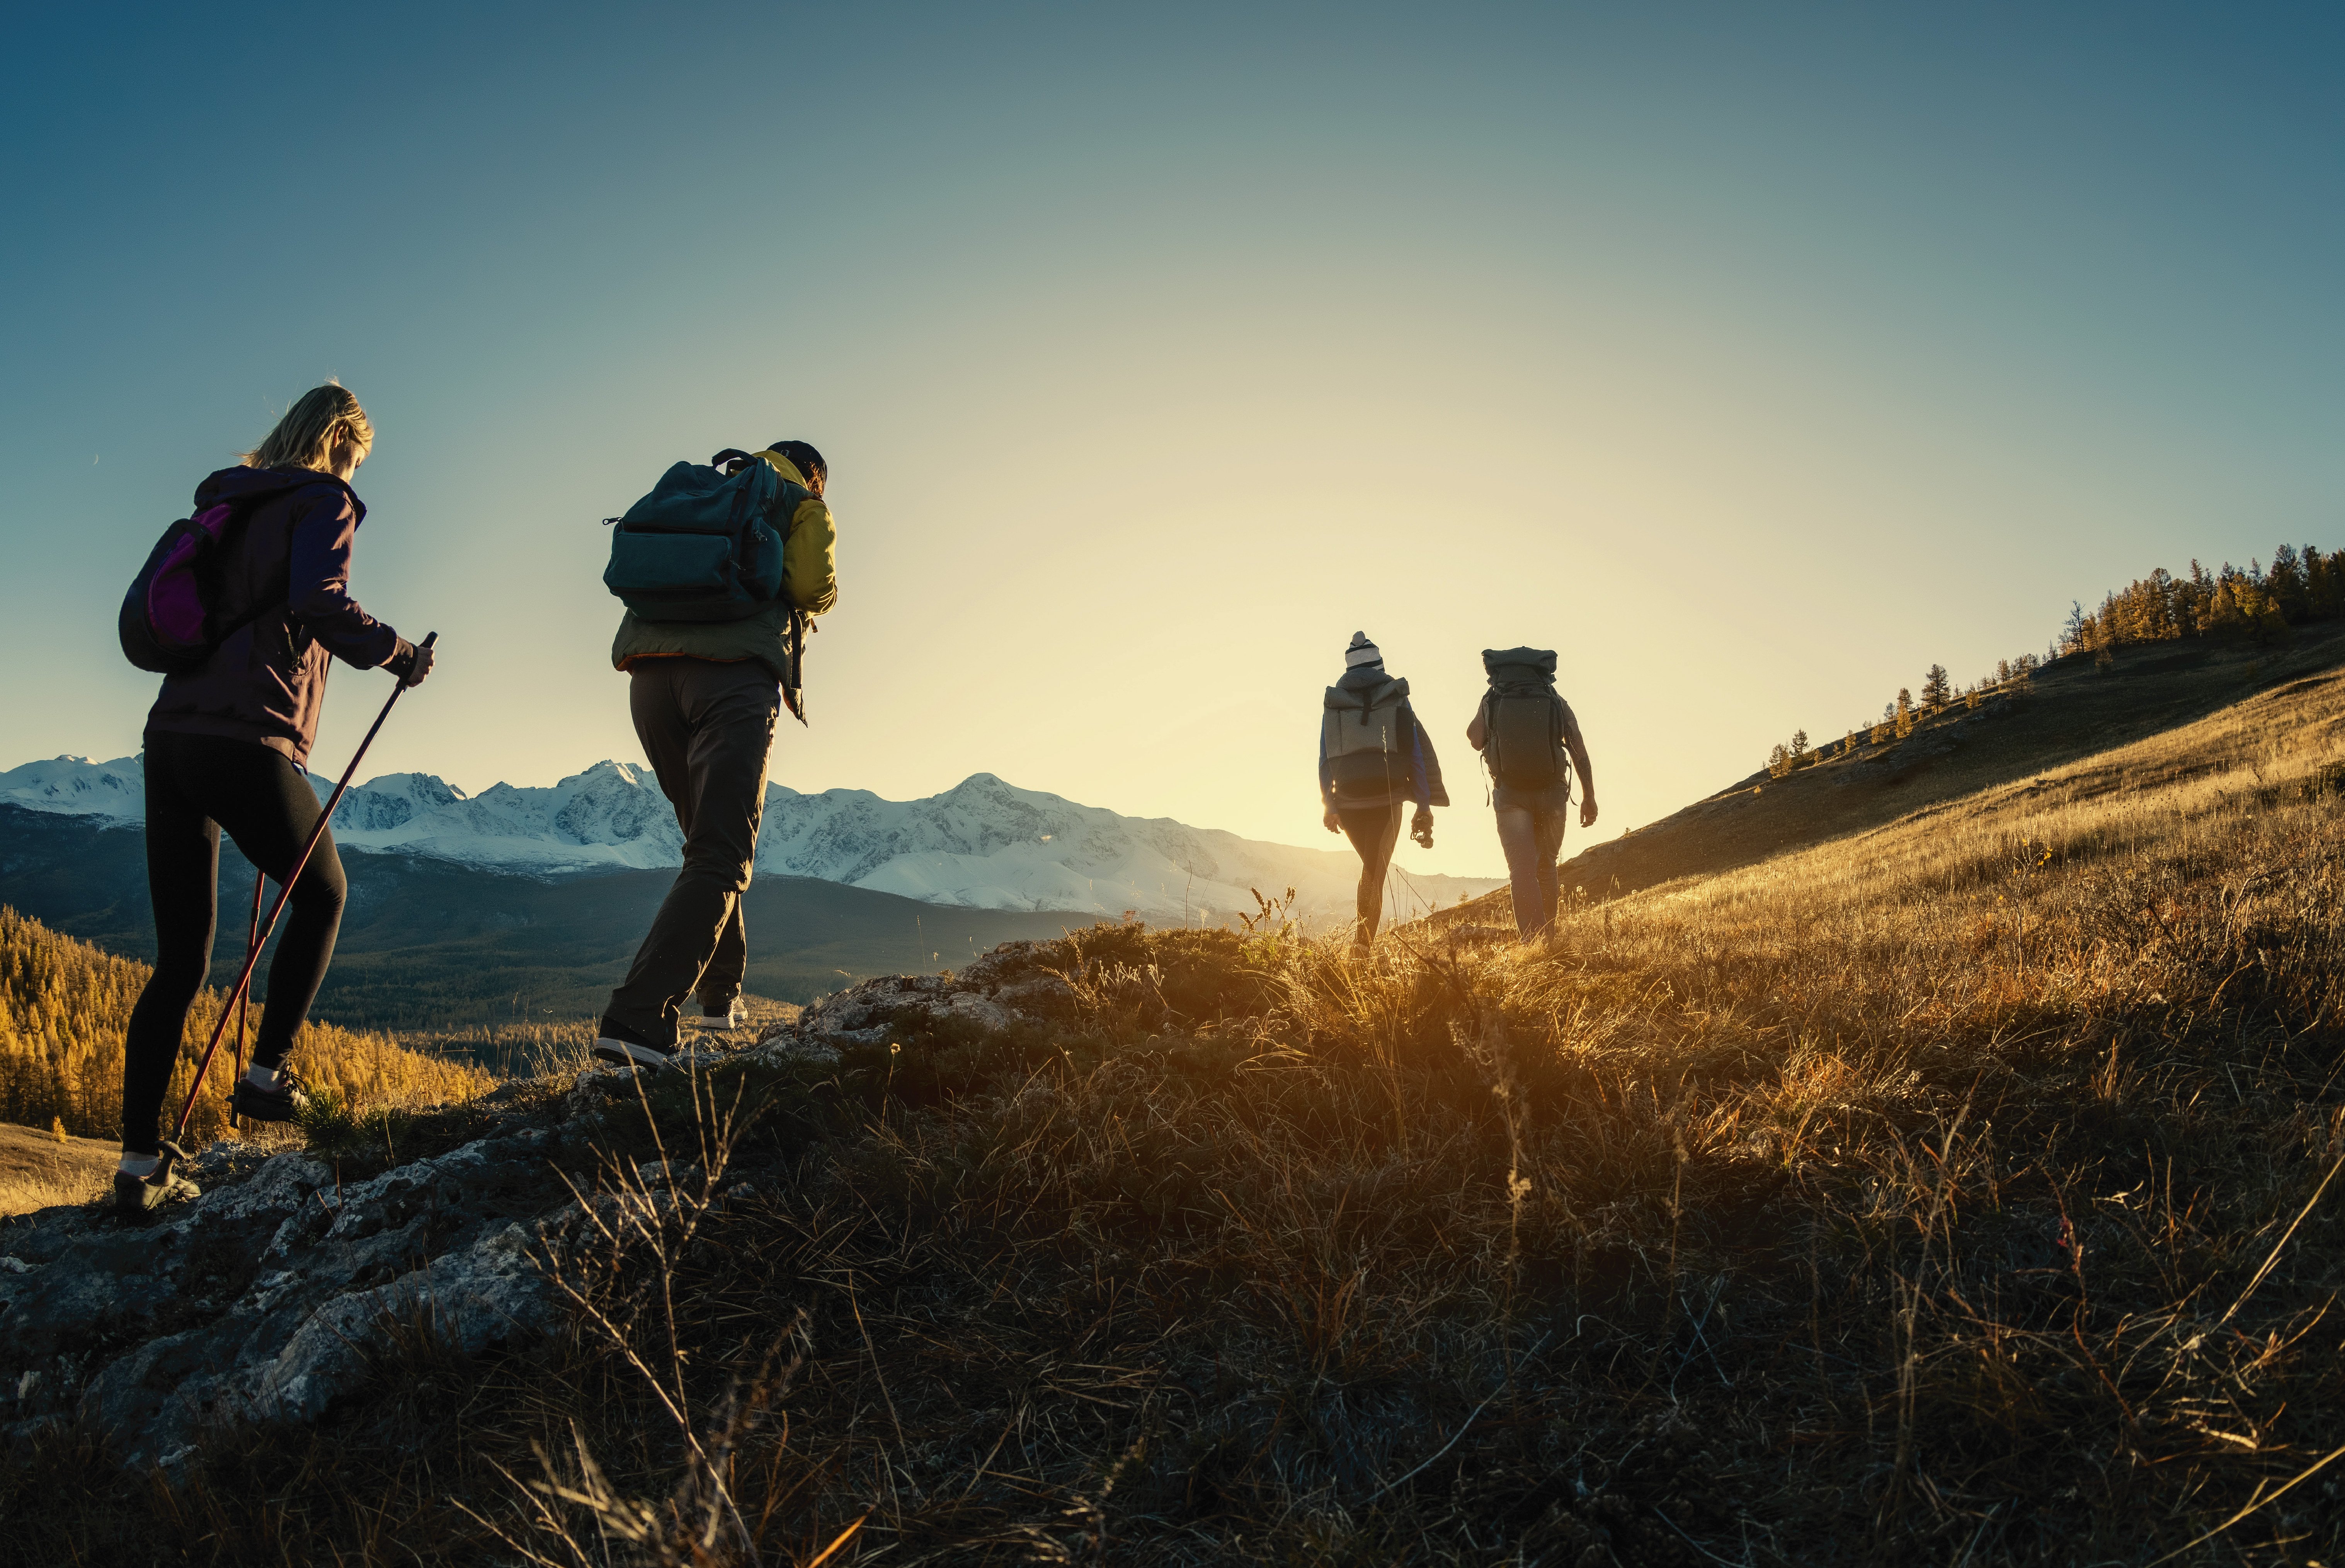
(1531, 741)
(722, 568)
(1374, 757)
(242, 608)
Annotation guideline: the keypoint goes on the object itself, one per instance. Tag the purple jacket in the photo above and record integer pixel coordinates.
(267, 683)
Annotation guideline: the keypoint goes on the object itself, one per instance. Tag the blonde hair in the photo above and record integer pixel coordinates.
(320, 419)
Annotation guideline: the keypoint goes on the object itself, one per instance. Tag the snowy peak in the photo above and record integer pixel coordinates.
(78, 785)
(609, 817)
(985, 843)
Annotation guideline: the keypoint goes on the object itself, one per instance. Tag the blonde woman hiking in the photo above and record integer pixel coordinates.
(225, 745)
(1529, 739)
(1374, 757)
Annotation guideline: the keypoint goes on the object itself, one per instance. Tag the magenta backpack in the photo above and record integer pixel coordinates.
(173, 617)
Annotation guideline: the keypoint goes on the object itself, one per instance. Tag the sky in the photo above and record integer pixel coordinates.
(1754, 358)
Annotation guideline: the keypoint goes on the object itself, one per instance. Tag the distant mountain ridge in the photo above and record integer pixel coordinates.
(983, 844)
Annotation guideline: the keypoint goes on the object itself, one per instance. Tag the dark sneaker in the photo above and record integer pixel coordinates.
(285, 1103)
(733, 1016)
(138, 1197)
(614, 1042)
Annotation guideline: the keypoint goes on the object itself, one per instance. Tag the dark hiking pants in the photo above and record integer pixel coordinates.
(1374, 832)
(1530, 831)
(706, 727)
(195, 786)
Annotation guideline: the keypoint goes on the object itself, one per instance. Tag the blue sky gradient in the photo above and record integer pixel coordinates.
(1755, 356)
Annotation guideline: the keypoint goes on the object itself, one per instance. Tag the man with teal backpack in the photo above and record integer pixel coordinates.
(1531, 741)
(720, 567)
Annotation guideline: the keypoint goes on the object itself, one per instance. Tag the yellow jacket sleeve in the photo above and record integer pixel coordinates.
(809, 564)
(809, 559)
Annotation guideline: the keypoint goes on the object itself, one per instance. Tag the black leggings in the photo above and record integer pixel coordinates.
(197, 785)
(1374, 832)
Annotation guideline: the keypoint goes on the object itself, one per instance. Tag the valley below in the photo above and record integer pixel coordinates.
(525, 906)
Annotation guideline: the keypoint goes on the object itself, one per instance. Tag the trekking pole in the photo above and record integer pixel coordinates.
(284, 892)
(251, 942)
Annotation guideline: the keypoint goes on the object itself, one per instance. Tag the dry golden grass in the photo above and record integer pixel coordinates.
(40, 1170)
(2062, 714)
(2077, 889)
(1959, 1193)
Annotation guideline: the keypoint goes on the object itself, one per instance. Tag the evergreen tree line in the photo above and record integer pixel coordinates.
(2010, 676)
(2301, 586)
(64, 1006)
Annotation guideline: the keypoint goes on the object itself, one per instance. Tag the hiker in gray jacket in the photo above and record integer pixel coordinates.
(1373, 757)
(1530, 741)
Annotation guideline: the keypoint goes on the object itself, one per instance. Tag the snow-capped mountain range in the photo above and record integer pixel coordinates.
(983, 844)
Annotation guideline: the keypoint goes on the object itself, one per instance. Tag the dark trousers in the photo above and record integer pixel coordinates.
(1530, 831)
(195, 786)
(1374, 832)
(706, 727)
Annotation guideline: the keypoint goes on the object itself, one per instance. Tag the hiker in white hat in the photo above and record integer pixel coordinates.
(1373, 757)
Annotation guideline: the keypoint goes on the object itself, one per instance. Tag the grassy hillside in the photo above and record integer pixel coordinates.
(38, 1169)
(434, 946)
(1959, 1193)
(64, 1004)
(2074, 708)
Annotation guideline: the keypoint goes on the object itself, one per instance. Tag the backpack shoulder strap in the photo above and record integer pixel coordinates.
(789, 496)
(276, 590)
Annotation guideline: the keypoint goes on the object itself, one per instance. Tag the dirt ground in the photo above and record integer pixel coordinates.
(37, 1171)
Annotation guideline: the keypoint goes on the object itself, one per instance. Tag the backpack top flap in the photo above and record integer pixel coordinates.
(691, 498)
(1508, 665)
(1357, 699)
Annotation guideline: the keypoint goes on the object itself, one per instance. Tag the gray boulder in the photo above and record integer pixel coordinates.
(999, 991)
(265, 1299)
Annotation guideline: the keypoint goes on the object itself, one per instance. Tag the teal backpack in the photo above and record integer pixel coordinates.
(703, 546)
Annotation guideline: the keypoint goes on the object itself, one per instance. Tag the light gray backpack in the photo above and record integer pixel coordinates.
(1359, 735)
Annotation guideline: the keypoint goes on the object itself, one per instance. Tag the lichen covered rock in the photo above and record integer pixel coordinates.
(261, 1299)
(998, 993)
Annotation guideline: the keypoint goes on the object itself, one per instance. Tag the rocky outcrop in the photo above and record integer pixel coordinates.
(997, 993)
(263, 1298)
(271, 1295)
